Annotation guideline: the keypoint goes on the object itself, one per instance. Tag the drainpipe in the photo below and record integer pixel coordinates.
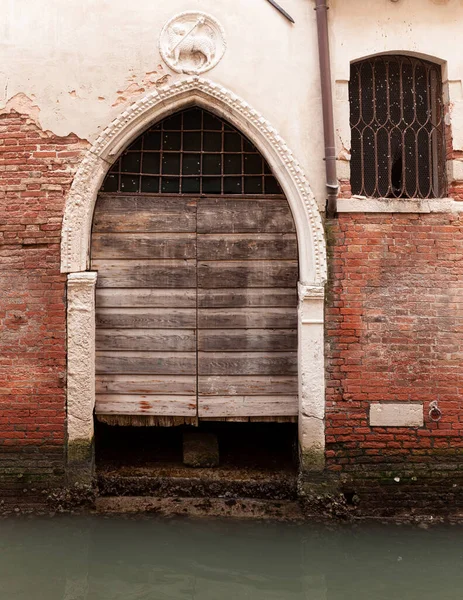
(327, 104)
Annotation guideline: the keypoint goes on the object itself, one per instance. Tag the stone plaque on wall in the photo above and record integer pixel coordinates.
(192, 43)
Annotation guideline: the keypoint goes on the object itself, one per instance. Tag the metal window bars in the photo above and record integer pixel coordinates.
(192, 152)
(397, 128)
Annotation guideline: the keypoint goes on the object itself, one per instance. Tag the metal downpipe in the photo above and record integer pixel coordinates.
(332, 185)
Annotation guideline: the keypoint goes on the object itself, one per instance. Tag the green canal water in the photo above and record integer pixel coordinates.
(98, 558)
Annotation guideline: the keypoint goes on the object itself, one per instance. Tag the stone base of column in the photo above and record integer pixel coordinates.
(80, 466)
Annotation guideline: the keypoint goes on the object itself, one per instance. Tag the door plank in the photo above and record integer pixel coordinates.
(142, 404)
(247, 363)
(145, 298)
(177, 385)
(143, 245)
(247, 318)
(247, 297)
(145, 273)
(152, 363)
(249, 340)
(169, 340)
(146, 318)
(247, 406)
(117, 213)
(261, 273)
(251, 385)
(280, 246)
(226, 215)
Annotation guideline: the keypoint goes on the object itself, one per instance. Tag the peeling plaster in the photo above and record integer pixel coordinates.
(151, 80)
(23, 105)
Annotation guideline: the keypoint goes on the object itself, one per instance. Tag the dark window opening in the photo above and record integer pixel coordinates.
(192, 152)
(397, 128)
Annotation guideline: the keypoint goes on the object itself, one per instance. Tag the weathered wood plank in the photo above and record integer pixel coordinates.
(169, 340)
(255, 246)
(250, 340)
(253, 385)
(146, 384)
(250, 297)
(152, 363)
(258, 273)
(143, 245)
(249, 419)
(144, 214)
(247, 318)
(145, 405)
(226, 215)
(146, 318)
(145, 298)
(145, 273)
(247, 363)
(247, 406)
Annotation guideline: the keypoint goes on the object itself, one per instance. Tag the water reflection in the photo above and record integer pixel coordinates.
(147, 558)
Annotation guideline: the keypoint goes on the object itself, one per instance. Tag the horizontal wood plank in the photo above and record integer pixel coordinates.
(259, 273)
(247, 297)
(145, 298)
(247, 406)
(250, 340)
(169, 340)
(144, 214)
(255, 246)
(145, 273)
(247, 363)
(227, 215)
(146, 318)
(250, 385)
(107, 404)
(146, 384)
(143, 245)
(152, 363)
(247, 318)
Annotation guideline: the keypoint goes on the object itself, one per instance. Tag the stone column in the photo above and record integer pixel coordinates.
(80, 375)
(311, 378)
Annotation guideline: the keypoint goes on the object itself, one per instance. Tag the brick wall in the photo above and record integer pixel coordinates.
(36, 170)
(394, 325)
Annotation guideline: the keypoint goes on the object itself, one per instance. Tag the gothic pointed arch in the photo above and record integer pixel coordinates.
(157, 105)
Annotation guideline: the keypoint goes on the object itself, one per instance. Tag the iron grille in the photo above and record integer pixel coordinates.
(397, 127)
(192, 152)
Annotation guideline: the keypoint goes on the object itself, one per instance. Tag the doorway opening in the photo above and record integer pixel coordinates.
(196, 303)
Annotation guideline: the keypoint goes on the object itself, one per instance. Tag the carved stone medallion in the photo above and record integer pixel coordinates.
(192, 43)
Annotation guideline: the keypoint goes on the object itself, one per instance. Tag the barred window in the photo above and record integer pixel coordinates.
(397, 128)
(192, 152)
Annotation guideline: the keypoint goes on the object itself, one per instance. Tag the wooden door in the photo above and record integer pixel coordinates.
(247, 318)
(196, 302)
(144, 249)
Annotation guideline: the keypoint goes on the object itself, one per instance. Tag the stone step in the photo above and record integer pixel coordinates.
(198, 483)
(202, 507)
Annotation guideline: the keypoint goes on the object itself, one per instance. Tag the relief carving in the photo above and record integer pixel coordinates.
(192, 43)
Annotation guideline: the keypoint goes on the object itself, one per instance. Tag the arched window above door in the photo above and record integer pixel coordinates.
(192, 152)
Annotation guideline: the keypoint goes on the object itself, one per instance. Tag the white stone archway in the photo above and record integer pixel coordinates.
(75, 252)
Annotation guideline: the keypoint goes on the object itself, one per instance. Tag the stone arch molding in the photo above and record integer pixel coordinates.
(75, 252)
(80, 203)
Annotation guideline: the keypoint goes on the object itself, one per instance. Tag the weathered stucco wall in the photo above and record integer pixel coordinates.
(82, 65)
